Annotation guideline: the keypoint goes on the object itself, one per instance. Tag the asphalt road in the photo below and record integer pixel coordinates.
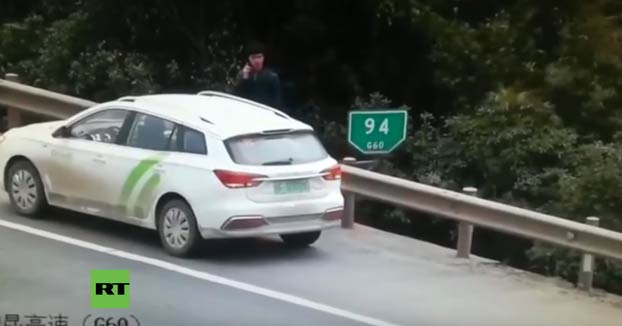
(364, 272)
(46, 277)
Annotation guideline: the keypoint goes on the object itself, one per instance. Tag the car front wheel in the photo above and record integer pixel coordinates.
(299, 240)
(26, 189)
(178, 230)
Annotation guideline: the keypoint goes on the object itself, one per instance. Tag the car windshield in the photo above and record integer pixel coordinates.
(282, 149)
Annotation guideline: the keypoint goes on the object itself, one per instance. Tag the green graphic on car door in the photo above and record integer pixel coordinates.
(143, 167)
(139, 207)
(143, 203)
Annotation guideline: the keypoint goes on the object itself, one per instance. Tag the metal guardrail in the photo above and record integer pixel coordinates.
(20, 98)
(467, 209)
(471, 211)
(481, 212)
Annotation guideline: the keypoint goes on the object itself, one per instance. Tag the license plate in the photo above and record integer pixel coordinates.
(291, 187)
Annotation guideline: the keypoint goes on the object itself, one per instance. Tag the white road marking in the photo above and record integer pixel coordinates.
(200, 275)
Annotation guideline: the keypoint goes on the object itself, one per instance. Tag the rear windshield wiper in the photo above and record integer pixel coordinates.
(280, 162)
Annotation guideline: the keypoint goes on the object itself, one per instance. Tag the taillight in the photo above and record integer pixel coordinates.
(233, 179)
(334, 173)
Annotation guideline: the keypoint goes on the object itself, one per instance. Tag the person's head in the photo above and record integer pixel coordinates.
(255, 55)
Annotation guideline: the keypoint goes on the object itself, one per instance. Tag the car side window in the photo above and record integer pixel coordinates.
(103, 126)
(194, 142)
(150, 132)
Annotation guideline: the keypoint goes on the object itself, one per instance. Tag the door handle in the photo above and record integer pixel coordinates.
(99, 159)
(159, 168)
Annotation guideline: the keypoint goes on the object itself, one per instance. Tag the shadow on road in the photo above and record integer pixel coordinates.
(132, 238)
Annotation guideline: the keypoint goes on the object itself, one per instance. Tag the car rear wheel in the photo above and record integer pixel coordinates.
(26, 189)
(299, 240)
(178, 230)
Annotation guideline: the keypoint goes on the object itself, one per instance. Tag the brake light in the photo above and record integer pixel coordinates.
(334, 173)
(233, 179)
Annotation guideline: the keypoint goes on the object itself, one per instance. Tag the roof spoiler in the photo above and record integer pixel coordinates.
(127, 99)
(276, 131)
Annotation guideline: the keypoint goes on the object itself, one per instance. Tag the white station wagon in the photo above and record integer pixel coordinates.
(210, 165)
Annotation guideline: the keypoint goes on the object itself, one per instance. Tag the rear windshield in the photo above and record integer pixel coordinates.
(282, 149)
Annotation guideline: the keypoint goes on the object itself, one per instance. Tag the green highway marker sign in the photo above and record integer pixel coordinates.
(377, 132)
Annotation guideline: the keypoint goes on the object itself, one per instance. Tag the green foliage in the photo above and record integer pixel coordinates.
(553, 261)
(516, 142)
(66, 61)
(107, 74)
(221, 55)
(436, 158)
(595, 184)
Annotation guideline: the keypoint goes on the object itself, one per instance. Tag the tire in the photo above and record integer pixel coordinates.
(25, 189)
(300, 240)
(173, 212)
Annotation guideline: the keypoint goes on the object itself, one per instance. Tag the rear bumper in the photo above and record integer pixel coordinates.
(217, 219)
(271, 228)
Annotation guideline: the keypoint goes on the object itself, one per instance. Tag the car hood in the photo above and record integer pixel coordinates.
(37, 130)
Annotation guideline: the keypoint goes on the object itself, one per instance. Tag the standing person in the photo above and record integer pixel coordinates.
(255, 81)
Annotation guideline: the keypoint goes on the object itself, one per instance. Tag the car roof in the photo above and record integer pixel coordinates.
(220, 114)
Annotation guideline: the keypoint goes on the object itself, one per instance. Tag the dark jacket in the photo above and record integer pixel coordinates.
(263, 87)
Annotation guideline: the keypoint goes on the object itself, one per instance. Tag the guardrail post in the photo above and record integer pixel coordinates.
(13, 116)
(586, 276)
(347, 221)
(465, 230)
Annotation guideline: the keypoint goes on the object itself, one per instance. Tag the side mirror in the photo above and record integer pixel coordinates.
(62, 132)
